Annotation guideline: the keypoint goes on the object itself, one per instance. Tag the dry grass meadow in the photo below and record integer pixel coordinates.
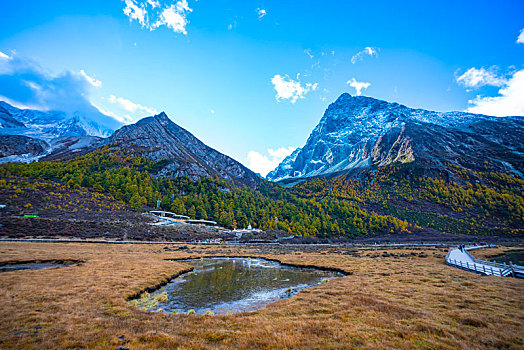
(404, 299)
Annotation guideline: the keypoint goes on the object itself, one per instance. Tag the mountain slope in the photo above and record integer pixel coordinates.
(7, 121)
(397, 196)
(50, 134)
(12, 145)
(47, 125)
(181, 153)
(364, 133)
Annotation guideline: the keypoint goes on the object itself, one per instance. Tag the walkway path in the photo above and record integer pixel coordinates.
(462, 259)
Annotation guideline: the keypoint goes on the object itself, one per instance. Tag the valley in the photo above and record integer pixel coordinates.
(440, 188)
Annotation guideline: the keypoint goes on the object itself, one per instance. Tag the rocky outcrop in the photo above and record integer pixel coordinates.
(393, 147)
(71, 146)
(12, 145)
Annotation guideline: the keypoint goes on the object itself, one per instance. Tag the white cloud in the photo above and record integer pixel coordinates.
(233, 23)
(33, 85)
(324, 94)
(4, 56)
(261, 13)
(290, 89)
(154, 4)
(123, 118)
(368, 50)
(509, 102)
(130, 106)
(91, 80)
(135, 12)
(358, 85)
(475, 78)
(212, 111)
(18, 104)
(151, 15)
(263, 164)
(308, 52)
(174, 17)
(520, 39)
(23, 82)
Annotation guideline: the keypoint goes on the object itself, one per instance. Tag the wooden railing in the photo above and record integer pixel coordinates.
(481, 268)
(486, 267)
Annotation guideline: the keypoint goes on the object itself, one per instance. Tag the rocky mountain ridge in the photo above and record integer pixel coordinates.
(181, 153)
(365, 133)
(31, 135)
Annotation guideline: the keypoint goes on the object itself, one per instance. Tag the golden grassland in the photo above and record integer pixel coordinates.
(407, 299)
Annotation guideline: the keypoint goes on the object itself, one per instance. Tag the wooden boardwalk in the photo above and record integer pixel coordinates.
(462, 259)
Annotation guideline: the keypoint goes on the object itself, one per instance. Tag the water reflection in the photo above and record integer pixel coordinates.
(233, 285)
(513, 256)
(29, 266)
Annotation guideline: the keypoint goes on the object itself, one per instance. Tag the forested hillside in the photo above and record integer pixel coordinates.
(464, 202)
(128, 178)
(396, 198)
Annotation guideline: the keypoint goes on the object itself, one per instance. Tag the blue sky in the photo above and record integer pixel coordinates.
(253, 78)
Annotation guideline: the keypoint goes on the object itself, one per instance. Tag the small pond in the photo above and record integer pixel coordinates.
(222, 285)
(514, 256)
(31, 266)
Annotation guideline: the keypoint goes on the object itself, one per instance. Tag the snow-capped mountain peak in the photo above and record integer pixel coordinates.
(46, 132)
(359, 132)
(47, 125)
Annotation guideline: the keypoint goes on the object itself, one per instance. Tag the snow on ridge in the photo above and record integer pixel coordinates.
(56, 128)
(352, 123)
(47, 125)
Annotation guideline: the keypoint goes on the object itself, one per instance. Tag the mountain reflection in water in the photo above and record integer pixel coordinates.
(223, 285)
